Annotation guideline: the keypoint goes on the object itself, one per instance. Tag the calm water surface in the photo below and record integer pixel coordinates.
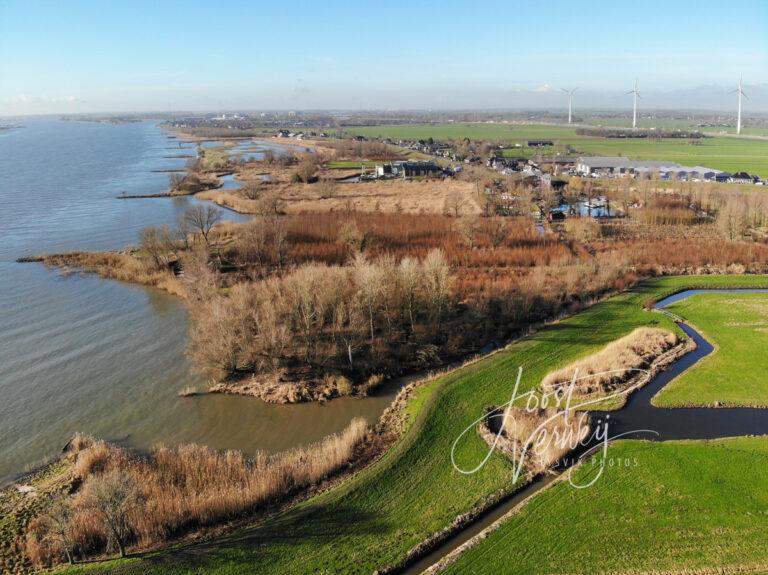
(79, 353)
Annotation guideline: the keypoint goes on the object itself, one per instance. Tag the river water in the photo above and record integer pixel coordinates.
(79, 353)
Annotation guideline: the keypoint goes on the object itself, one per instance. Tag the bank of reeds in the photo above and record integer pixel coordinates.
(181, 489)
(536, 438)
(118, 266)
(603, 371)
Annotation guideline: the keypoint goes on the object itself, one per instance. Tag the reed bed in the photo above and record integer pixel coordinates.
(615, 364)
(118, 266)
(182, 489)
(538, 438)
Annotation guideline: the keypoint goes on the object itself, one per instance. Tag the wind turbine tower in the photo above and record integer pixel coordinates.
(570, 101)
(635, 96)
(740, 92)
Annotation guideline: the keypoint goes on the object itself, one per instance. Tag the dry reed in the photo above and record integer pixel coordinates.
(538, 438)
(615, 364)
(187, 487)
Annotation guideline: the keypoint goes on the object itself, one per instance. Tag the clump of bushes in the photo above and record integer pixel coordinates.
(353, 320)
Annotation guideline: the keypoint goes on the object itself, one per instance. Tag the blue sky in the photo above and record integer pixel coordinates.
(73, 56)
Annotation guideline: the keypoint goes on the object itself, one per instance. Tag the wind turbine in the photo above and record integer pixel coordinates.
(740, 92)
(570, 101)
(636, 95)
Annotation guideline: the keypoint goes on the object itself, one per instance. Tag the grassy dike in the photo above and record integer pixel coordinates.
(374, 519)
(735, 373)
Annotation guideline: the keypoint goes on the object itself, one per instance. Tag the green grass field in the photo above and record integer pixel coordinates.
(734, 374)
(349, 164)
(473, 131)
(728, 154)
(669, 124)
(722, 153)
(672, 509)
(373, 519)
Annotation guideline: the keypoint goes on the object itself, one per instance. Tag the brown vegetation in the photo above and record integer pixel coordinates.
(535, 439)
(333, 326)
(606, 370)
(365, 150)
(427, 196)
(118, 266)
(340, 310)
(126, 500)
(356, 320)
(191, 182)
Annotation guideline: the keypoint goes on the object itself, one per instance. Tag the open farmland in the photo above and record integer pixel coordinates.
(374, 519)
(473, 131)
(660, 507)
(722, 153)
(735, 373)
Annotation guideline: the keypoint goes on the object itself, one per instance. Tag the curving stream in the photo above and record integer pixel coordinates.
(637, 413)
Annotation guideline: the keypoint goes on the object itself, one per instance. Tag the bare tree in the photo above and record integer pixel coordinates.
(409, 279)
(270, 204)
(311, 293)
(268, 157)
(326, 188)
(158, 244)
(349, 326)
(58, 521)
(497, 231)
(216, 336)
(279, 240)
(367, 277)
(437, 285)
(176, 180)
(351, 236)
(201, 279)
(468, 228)
(306, 171)
(253, 190)
(454, 204)
(113, 497)
(201, 219)
(252, 244)
(183, 231)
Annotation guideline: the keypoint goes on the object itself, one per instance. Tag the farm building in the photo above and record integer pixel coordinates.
(742, 178)
(408, 169)
(418, 169)
(559, 161)
(619, 166)
(540, 143)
